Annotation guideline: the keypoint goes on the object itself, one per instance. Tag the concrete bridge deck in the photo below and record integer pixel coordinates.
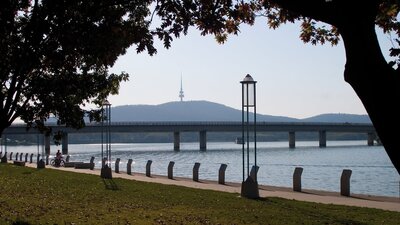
(193, 126)
(203, 127)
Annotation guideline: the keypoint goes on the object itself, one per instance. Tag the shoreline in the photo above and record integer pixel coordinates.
(308, 195)
(318, 175)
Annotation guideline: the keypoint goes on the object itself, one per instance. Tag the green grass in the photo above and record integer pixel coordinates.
(31, 196)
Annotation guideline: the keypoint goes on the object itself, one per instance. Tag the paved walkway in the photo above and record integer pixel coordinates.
(379, 202)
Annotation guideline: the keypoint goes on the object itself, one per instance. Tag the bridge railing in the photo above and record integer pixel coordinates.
(218, 126)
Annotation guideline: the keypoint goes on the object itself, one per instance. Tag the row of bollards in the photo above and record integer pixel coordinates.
(297, 184)
(42, 163)
(196, 167)
(344, 181)
(18, 157)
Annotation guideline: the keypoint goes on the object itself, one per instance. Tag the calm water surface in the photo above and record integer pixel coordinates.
(373, 173)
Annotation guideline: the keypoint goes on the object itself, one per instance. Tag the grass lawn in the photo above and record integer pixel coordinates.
(31, 196)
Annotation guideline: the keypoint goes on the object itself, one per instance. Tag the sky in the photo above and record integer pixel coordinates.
(294, 79)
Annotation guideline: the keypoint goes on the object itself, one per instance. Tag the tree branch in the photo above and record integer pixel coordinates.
(316, 9)
(334, 12)
(16, 113)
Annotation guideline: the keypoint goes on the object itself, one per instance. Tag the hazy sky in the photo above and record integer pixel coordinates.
(293, 79)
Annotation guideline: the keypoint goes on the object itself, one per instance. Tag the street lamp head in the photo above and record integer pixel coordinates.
(248, 80)
(248, 89)
(106, 103)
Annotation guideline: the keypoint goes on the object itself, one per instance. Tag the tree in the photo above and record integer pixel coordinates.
(55, 56)
(375, 81)
(46, 44)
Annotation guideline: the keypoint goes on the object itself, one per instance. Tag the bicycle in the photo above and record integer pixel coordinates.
(54, 162)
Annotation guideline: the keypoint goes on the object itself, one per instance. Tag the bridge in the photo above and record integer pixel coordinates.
(203, 127)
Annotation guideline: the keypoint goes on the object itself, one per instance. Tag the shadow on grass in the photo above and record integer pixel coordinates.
(20, 222)
(109, 184)
(30, 172)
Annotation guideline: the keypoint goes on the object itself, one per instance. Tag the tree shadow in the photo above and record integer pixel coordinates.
(109, 184)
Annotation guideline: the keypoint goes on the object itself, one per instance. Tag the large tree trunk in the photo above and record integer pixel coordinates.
(3, 126)
(375, 82)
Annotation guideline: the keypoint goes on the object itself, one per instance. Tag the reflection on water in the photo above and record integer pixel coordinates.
(373, 173)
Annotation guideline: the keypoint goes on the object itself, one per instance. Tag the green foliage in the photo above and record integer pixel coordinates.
(218, 18)
(388, 21)
(31, 196)
(56, 55)
(223, 18)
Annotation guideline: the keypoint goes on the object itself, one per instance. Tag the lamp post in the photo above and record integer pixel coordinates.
(106, 140)
(249, 183)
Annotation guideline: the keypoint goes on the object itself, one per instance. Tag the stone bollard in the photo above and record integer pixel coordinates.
(11, 155)
(171, 170)
(92, 163)
(31, 159)
(67, 159)
(196, 168)
(47, 159)
(20, 156)
(4, 158)
(148, 168)
(105, 172)
(117, 165)
(221, 174)
(26, 157)
(41, 164)
(253, 172)
(129, 167)
(297, 179)
(16, 156)
(345, 182)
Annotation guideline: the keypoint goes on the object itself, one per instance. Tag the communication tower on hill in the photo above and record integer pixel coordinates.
(181, 95)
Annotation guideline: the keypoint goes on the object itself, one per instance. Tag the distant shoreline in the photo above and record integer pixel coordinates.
(14, 143)
(32, 139)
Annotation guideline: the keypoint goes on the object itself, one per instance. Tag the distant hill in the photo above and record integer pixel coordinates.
(339, 118)
(210, 111)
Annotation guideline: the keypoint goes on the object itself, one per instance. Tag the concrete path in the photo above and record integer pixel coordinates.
(379, 202)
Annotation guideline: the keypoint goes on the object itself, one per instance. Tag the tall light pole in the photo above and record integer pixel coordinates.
(106, 140)
(181, 95)
(249, 183)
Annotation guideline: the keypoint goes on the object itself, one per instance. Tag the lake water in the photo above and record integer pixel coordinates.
(373, 172)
